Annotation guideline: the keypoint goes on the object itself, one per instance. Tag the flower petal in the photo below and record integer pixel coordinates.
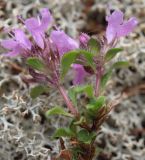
(16, 51)
(31, 24)
(84, 38)
(114, 21)
(37, 27)
(22, 39)
(80, 74)
(38, 39)
(9, 44)
(63, 42)
(34, 25)
(10, 54)
(111, 33)
(127, 27)
(116, 18)
(46, 18)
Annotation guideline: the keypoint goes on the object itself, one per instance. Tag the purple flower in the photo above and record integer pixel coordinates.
(117, 27)
(80, 74)
(18, 44)
(63, 42)
(84, 38)
(38, 26)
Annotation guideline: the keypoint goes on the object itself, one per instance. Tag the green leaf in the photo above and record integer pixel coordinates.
(94, 46)
(95, 105)
(67, 60)
(105, 78)
(89, 57)
(121, 64)
(63, 132)
(71, 57)
(58, 111)
(85, 137)
(38, 90)
(35, 63)
(88, 89)
(85, 88)
(73, 96)
(73, 127)
(112, 53)
(80, 121)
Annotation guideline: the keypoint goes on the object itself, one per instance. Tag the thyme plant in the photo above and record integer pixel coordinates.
(51, 55)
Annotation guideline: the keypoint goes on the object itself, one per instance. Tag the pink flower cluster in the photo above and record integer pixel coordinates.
(59, 42)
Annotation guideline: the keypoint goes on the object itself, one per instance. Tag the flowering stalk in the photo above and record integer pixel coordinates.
(98, 79)
(67, 101)
(49, 59)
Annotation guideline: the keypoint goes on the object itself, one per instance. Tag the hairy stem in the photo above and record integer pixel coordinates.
(67, 101)
(98, 79)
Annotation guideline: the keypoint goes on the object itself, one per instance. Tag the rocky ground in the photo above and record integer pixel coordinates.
(25, 132)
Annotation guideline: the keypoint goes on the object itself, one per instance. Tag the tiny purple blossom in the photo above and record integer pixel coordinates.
(63, 42)
(21, 39)
(117, 27)
(84, 38)
(38, 26)
(16, 45)
(80, 74)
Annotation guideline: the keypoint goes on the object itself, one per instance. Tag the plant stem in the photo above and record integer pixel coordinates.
(98, 79)
(67, 101)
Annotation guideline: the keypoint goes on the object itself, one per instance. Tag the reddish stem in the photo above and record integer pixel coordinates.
(67, 101)
(98, 79)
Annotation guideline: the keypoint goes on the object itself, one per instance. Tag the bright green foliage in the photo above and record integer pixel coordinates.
(112, 53)
(63, 132)
(71, 57)
(105, 78)
(36, 63)
(94, 46)
(107, 75)
(67, 60)
(80, 121)
(88, 89)
(73, 127)
(38, 90)
(88, 56)
(95, 105)
(85, 137)
(73, 96)
(58, 111)
(121, 64)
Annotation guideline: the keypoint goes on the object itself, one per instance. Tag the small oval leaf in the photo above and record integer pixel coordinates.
(97, 103)
(121, 64)
(35, 63)
(85, 137)
(112, 53)
(71, 57)
(38, 90)
(88, 89)
(94, 46)
(67, 60)
(63, 132)
(105, 78)
(58, 111)
(94, 106)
